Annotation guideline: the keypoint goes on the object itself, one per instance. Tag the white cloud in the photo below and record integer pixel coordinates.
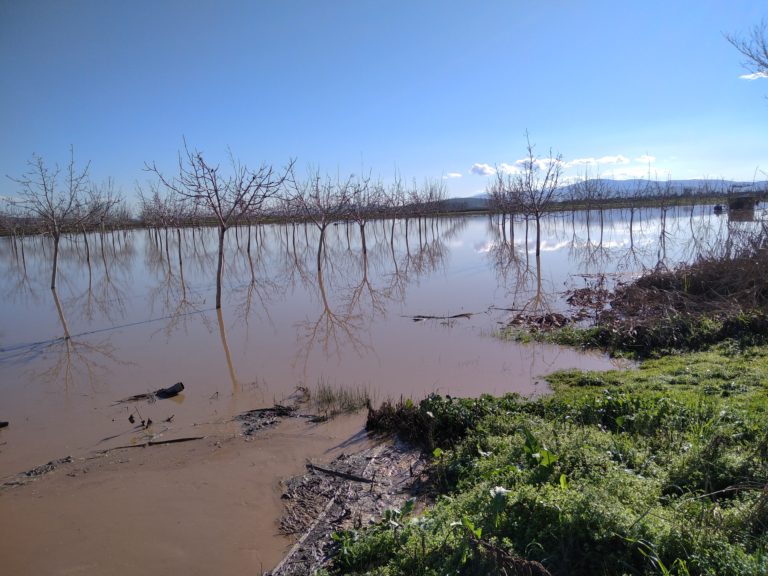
(645, 159)
(482, 169)
(540, 163)
(508, 168)
(581, 162)
(754, 76)
(452, 175)
(517, 167)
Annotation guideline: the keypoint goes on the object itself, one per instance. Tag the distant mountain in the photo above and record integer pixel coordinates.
(676, 187)
(625, 188)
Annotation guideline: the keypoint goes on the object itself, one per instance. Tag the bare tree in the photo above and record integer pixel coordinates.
(322, 201)
(367, 199)
(754, 48)
(536, 185)
(504, 198)
(158, 210)
(227, 197)
(60, 202)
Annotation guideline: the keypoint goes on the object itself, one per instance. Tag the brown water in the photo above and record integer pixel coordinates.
(206, 507)
(133, 312)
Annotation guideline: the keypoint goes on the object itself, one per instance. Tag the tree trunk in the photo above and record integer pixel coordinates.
(220, 267)
(55, 259)
(181, 266)
(320, 244)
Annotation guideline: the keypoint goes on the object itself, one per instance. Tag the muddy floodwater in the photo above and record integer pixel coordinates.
(396, 309)
(414, 312)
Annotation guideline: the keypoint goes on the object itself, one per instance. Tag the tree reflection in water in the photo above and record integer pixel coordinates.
(355, 288)
(613, 245)
(75, 359)
(339, 290)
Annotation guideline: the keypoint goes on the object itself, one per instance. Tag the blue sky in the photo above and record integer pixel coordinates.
(427, 89)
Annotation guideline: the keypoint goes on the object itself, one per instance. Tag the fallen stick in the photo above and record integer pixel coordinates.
(419, 317)
(156, 443)
(278, 409)
(338, 473)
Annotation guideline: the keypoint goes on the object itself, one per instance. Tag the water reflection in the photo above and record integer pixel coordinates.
(64, 355)
(134, 310)
(70, 360)
(607, 244)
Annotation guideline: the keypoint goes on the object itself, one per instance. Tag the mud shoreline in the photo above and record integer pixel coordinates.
(207, 506)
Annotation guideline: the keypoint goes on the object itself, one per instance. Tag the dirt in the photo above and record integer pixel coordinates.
(210, 506)
(353, 491)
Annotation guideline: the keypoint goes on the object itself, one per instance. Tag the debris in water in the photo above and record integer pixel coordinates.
(161, 393)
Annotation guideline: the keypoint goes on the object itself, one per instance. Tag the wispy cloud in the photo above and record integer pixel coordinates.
(482, 169)
(613, 160)
(754, 76)
(645, 159)
(602, 161)
(452, 175)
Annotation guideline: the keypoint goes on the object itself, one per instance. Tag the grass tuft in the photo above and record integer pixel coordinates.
(331, 400)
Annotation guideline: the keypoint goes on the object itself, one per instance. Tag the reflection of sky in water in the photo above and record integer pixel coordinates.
(141, 315)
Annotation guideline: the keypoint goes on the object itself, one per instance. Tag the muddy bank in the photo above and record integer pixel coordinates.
(354, 490)
(206, 507)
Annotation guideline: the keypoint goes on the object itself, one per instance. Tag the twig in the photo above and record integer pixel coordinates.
(338, 473)
(156, 443)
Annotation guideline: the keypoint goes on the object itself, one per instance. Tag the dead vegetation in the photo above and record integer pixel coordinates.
(686, 308)
(351, 492)
(719, 286)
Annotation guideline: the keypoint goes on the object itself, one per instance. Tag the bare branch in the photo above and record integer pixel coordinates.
(754, 48)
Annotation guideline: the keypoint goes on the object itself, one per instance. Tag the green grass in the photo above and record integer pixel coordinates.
(657, 470)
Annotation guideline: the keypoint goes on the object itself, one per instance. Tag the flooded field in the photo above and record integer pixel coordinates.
(409, 310)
